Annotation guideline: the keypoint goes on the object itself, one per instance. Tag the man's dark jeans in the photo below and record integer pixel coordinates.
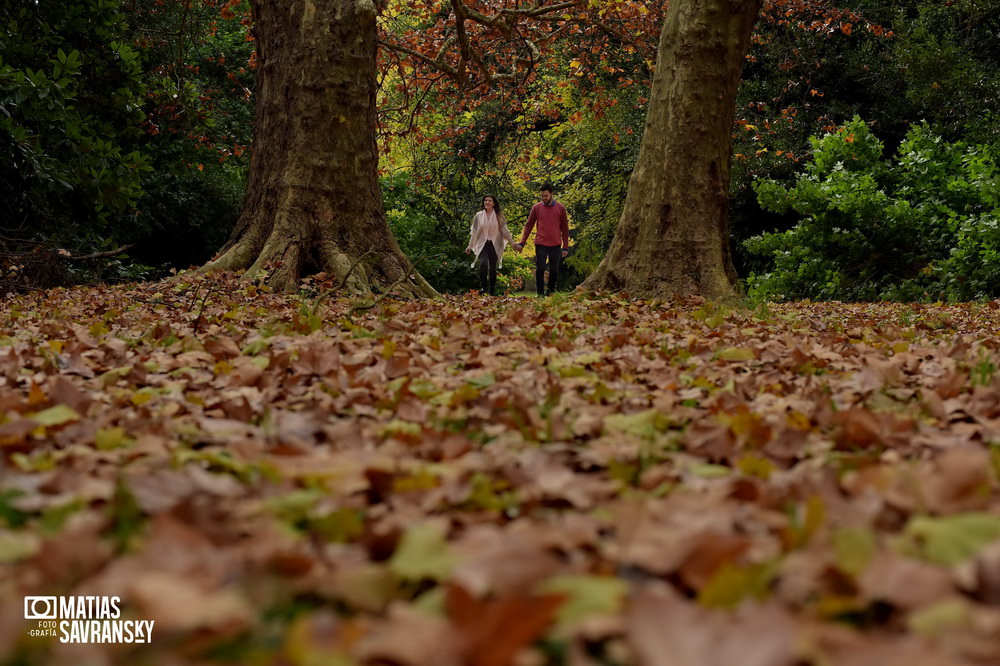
(551, 253)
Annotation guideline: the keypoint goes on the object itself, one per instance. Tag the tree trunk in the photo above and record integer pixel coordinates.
(313, 200)
(673, 236)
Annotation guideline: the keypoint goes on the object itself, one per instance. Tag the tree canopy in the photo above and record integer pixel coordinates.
(527, 93)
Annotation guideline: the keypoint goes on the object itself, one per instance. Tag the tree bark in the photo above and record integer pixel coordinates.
(313, 201)
(673, 235)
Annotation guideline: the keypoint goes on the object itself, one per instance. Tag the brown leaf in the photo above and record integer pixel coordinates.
(987, 571)
(492, 632)
(708, 552)
(65, 392)
(903, 582)
(411, 637)
(959, 479)
(222, 347)
(664, 628)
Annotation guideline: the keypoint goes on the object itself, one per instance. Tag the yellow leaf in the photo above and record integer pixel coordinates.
(758, 466)
(735, 354)
(109, 438)
(854, 548)
(798, 420)
(55, 416)
(730, 584)
(423, 554)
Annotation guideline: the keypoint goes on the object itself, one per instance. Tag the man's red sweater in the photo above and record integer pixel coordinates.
(552, 225)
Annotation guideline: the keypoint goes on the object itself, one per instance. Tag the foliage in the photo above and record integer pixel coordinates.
(121, 131)
(894, 64)
(947, 58)
(70, 92)
(467, 480)
(559, 92)
(199, 113)
(924, 226)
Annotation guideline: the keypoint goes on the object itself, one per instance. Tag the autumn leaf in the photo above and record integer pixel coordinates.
(950, 540)
(423, 553)
(55, 416)
(509, 483)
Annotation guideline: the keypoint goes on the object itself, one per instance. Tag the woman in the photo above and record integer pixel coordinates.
(487, 240)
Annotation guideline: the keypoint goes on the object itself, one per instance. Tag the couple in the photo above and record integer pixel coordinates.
(490, 235)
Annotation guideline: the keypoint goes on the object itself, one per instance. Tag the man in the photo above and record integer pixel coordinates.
(553, 226)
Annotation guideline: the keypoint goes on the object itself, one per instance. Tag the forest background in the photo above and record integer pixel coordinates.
(864, 150)
(590, 478)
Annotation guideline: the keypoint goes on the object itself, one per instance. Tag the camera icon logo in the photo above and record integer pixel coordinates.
(40, 608)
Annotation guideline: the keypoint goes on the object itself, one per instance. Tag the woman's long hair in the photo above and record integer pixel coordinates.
(496, 207)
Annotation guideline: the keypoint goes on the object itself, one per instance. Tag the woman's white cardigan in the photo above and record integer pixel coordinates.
(478, 237)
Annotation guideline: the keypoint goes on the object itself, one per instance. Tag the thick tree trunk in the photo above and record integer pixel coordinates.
(313, 201)
(673, 236)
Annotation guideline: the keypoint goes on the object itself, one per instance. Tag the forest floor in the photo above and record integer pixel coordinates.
(272, 480)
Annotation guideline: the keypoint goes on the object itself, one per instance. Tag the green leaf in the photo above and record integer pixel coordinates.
(950, 540)
(645, 424)
(423, 553)
(17, 546)
(9, 513)
(585, 596)
(482, 381)
(339, 526)
(709, 471)
(127, 518)
(939, 618)
(294, 506)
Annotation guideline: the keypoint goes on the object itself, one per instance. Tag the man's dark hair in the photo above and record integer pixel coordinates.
(547, 187)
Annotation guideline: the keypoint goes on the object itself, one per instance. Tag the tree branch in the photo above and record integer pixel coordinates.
(97, 255)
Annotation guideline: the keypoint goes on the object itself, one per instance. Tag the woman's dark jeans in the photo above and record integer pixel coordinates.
(488, 268)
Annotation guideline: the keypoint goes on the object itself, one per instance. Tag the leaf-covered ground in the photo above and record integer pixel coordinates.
(501, 481)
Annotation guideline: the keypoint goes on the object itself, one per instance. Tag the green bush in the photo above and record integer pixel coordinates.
(70, 95)
(920, 227)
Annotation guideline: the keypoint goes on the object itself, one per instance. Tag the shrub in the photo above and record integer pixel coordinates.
(70, 91)
(920, 227)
